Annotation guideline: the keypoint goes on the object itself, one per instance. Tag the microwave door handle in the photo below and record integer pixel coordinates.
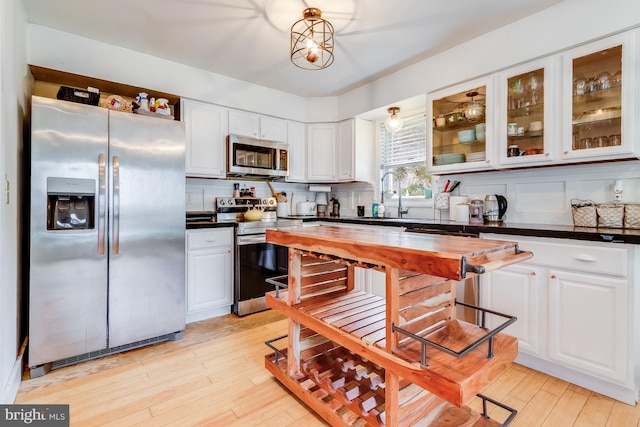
(116, 205)
(102, 202)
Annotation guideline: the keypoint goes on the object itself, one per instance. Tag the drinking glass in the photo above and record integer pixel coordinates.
(517, 90)
(533, 86)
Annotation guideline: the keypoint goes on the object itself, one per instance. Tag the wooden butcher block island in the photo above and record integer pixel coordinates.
(400, 360)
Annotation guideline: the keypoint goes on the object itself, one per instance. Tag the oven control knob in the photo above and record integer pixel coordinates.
(222, 202)
(231, 202)
(263, 202)
(272, 202)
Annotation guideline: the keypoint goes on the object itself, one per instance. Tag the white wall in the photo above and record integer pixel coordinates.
(67, 52)
(13, 110)
(567, 24)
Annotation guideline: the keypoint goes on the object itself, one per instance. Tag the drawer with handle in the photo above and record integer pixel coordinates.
(605, 258)
(199, 239)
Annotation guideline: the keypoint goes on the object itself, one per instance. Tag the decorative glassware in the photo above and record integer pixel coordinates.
(533, 87)
(517, 91)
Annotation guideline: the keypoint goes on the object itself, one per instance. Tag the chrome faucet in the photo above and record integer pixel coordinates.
(401, 211)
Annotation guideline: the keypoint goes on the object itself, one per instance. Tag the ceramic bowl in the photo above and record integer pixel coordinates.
(467, 135)
(535, 126)
(448, 159)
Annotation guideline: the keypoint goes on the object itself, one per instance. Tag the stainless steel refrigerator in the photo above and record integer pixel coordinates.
(107, 230)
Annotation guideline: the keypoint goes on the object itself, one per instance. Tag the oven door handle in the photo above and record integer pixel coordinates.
(252, 239)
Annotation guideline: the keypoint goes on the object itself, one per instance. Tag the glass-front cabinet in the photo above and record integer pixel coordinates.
(462, 129)
(599, 95)
(525, 124)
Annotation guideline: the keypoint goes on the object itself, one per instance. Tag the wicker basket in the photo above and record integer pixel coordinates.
(610, 215)
(632, 216)
(80, 96)
(584, 213)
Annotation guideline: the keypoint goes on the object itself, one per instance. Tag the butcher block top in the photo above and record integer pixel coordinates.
(451, 257)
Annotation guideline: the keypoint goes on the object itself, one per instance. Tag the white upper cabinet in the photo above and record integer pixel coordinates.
(296, 137)
(345, 151)
(526, 112)
(340, 152)
(461, 136)
(206, 132)
(363, 145)
(599, 97)
(321, 153)
(257, 126)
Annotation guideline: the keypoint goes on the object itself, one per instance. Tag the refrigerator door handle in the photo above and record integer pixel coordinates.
(102, 202)
(116, 205)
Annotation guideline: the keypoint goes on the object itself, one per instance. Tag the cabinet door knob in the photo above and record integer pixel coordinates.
(533, 273)
(553, 276)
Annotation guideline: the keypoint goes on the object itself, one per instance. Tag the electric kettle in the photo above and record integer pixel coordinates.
(495, 208)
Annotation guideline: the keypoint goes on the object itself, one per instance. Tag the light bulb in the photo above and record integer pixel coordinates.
(312, 55)
(393, 122)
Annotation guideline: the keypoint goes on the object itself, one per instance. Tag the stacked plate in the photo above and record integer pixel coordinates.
(476, 157)
(448, 159)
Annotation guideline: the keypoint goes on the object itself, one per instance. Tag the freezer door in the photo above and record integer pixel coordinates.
(68, 266)
(147, 228)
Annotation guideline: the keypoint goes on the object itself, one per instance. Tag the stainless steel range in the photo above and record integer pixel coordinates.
(255, 260)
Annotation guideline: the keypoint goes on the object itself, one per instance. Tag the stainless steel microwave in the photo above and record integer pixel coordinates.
(250, 156)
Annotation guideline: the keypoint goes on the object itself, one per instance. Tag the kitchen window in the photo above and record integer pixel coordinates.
(404, 153)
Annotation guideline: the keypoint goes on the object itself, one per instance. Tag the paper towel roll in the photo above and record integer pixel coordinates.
(462, 212)
(453, 205)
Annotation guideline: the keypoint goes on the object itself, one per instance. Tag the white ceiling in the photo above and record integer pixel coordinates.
(249, 39)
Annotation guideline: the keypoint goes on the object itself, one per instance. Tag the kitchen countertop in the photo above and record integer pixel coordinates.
(614, 235)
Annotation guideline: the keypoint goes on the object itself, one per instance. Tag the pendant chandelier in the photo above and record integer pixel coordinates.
(474, 111)
(312, 41)
(393, 122)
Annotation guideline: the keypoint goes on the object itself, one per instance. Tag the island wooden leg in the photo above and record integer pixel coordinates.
(392, 380)
(293, 294)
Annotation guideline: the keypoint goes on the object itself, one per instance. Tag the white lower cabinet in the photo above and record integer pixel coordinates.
(518, 291)
(209, 273)
(588, 317)
(575, 305)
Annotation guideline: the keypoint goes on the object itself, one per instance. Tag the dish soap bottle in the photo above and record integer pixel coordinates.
(381, 210)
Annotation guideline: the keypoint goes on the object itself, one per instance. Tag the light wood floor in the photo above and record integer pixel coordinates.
(215, 376)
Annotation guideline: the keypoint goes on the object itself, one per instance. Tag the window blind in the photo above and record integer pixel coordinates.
(405, 147)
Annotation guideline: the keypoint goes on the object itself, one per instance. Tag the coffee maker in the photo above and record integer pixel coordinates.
(495, 208)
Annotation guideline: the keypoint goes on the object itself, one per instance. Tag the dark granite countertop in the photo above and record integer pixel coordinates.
(615, 235)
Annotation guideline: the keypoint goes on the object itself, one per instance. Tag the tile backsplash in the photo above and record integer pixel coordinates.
(543, 195)
(535, 195)
(202, 193)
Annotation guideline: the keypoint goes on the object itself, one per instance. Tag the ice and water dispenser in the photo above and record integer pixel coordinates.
(70, 203)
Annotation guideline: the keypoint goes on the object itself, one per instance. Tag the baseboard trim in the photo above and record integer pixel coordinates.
(10, 389)
(618, 392)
